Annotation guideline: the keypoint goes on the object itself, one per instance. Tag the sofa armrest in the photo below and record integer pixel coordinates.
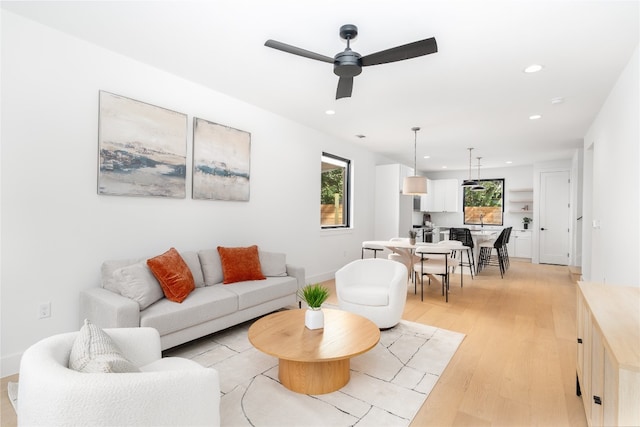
(298, 273)
(108, 309)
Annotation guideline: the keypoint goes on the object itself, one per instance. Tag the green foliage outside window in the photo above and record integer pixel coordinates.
(485, 207)
(491, 196)
(334, 191)
(332, 183)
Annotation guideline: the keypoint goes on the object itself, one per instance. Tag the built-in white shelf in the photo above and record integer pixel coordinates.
(521, 201)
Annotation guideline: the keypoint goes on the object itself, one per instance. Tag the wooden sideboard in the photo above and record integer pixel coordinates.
(608, 365)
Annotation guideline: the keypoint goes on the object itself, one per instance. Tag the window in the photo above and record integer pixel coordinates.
(485, 207)
(334, 191)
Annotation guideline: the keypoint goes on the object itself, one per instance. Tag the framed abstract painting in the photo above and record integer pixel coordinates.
(221, 162)
(142, 149)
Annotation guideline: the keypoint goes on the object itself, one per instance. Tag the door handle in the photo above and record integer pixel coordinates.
(542, 228)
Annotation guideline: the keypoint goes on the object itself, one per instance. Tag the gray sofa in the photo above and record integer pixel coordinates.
(128, 297)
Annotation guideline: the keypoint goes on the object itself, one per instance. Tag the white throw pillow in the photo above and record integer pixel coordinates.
(108, 267)
(273, 264)
(211, 266)
(94, 352)
(193, 262)
(138, 283)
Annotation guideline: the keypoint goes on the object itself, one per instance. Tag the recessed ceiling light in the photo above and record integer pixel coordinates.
(533, 68)
(329, 112)
(444, 167)
(535, 117)
(558, 100)
(508, 162)
(427, 157)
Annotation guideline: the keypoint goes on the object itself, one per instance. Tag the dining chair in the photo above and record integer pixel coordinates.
(434, 262)
(464, 235)
(368, 246)
(486, 251)
(506, 243)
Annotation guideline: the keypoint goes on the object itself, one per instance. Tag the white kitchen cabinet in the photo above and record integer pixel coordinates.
(442, 196)
(519, 245)
(608, 353)
(393, 212)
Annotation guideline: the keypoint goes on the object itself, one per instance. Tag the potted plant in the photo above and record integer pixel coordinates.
(314, 295)
(412, 236)
(526, 220)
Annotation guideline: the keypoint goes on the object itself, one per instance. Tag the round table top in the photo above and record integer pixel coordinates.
(284, 335)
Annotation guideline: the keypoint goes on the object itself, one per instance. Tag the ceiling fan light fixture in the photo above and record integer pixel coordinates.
(414, 185)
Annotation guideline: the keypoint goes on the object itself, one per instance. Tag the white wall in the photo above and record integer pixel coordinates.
(56, 230)
(612, 186)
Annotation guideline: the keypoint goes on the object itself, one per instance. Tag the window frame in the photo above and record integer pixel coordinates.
(464, 203)
(346, 202)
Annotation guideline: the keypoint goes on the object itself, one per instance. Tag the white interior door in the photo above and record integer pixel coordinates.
(553, 222)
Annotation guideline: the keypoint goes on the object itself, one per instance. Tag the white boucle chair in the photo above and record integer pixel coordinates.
(168, 391)
(373, 288)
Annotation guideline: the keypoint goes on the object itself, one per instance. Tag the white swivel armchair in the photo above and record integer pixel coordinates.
(373, 288)
(167, 391)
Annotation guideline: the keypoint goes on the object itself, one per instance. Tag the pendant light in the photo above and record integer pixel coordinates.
(469, 182)
(415, 185)
(478, 186)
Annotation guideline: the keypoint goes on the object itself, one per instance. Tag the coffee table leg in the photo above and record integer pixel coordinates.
(314, 377)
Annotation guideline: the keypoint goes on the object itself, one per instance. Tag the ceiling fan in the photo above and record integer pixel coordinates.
(348, 64)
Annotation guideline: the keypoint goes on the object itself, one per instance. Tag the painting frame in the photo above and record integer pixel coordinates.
(221, 162)
(142, 148)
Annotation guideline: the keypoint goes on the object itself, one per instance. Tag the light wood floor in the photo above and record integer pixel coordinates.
(516, 365)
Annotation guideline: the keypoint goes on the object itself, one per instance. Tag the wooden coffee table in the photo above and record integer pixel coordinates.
(314, 361)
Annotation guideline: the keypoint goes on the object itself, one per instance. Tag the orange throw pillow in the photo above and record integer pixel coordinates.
(173, 274)
(240, 264)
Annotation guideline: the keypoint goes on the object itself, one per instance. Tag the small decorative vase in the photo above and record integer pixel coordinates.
(412, 241)
(526, 226)
(314, 318)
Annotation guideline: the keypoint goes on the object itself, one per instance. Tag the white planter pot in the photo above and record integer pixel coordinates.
(314, 318)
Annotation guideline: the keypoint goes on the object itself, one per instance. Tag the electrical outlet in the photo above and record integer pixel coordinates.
(44, 310)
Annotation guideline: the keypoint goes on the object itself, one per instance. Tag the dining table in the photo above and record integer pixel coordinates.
(408, 257)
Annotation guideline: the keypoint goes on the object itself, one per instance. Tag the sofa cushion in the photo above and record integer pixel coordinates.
(203, 304)
(173, 274)
(193, 262)
(93, 351)
(240, 264)
(138, 283)
(211, 266)
(108, 267)
(253, 292)
(273, 264)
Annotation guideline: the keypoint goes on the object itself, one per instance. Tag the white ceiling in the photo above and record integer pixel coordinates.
(472, 93)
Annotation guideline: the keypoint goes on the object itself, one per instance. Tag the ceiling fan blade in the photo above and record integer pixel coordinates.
(345, 87)
(297, 51)
(399, 53)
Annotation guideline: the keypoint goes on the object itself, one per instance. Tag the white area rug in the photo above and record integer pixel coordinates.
(388, 384)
